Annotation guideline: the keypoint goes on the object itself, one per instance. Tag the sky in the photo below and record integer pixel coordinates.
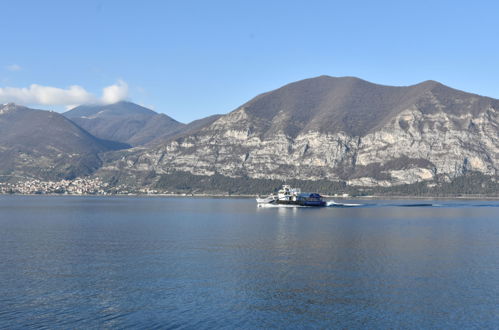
(191, 59)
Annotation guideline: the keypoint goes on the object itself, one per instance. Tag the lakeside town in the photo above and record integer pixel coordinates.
(78, 186)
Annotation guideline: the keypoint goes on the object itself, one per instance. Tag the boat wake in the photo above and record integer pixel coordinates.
(332, 203)
(328, 204)
(417, 205)
(335, 204)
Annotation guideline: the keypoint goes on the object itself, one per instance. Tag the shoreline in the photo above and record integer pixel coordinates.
(331, 197)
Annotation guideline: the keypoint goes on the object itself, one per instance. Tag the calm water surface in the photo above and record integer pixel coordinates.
(109, 262)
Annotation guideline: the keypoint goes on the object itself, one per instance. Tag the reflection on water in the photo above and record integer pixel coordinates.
(186, 262)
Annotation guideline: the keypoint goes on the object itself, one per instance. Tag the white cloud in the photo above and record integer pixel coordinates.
(73, 95)
(115, 93)
(14, 67)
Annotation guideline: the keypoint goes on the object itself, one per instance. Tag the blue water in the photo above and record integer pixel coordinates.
(110, 262)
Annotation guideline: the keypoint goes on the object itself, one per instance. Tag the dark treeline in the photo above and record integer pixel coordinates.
(189, 183)
(182, 182)
(472, 183)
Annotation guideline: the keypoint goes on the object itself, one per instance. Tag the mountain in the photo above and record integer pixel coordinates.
(46, 145)
(186, 130)
(124, 122)
(336, 129)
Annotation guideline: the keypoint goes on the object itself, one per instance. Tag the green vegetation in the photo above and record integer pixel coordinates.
(181, 182)
(472, 183)
(189, 183)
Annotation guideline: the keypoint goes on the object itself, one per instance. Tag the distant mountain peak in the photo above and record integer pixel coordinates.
(10, 107)
(429, 84)
(118, 108)
(124, 122)
(44, 144)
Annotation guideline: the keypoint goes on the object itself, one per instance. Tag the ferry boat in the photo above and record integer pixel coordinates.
(292, 196)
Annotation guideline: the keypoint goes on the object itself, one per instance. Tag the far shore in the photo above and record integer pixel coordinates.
(184, 195)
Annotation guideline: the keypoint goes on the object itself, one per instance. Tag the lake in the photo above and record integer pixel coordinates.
(165, 262)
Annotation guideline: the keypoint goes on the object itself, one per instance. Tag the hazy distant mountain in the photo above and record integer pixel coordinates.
(46, 145)
(124, 122)
(338, 129)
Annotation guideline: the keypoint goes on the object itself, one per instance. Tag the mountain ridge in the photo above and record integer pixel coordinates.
(336, 129)
(335, 104)
(328, 128)
(44, 144)
(124, 122)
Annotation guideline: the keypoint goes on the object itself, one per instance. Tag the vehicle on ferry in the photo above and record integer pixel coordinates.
(292, 197)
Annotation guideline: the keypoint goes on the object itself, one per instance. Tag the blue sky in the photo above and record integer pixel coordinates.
(191, 59)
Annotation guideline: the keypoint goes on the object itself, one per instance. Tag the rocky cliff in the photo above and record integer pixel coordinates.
(337, 129)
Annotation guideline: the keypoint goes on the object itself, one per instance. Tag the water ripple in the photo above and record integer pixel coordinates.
(222, 263)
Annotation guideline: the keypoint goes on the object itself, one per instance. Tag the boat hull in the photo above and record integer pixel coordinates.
(293, 203)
